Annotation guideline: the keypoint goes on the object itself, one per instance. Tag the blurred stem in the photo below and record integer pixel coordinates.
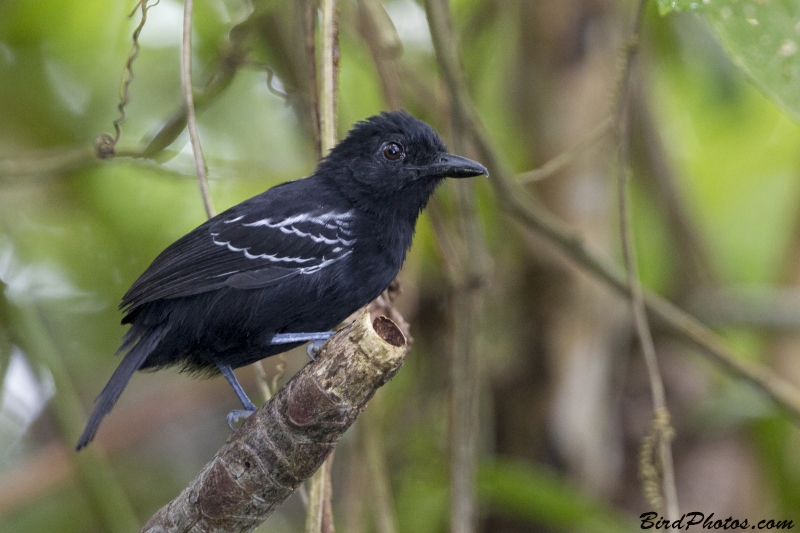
(381, 499)
(566, 157)
(263, 381)
(694, 264)
(329, 68)
(750, 306)
(464, 407)
(105, 494)
(662, 433)
(357, 490)
(320, 511)
(176, 123)
(448, 247)
(310, 26)
(188, 98)
(377, 29)
(233, 57)
(5, 332)
(64, 159)
(467, 299)
(320, 508)
(48, 161)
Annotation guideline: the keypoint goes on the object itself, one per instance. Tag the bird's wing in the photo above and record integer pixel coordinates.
(252, 245)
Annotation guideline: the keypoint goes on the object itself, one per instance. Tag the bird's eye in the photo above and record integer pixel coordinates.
(393, 151)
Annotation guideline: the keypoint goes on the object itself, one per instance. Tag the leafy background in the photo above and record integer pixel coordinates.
(564, 398)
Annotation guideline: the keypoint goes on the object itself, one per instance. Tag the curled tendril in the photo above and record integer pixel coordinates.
(271, 76)
(104, 143)
(274, 90)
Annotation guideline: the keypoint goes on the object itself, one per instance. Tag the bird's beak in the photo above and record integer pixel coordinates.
(454, 166)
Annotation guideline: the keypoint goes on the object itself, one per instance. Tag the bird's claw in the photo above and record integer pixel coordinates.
(238, 414)
(313, 349)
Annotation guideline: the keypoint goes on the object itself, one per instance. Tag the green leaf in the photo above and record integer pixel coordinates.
(668, 6)
(761, 37)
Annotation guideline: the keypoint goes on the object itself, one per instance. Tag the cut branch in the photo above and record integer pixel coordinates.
(285, 441)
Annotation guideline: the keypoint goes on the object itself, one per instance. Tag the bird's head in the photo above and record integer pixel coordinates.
(394, 156)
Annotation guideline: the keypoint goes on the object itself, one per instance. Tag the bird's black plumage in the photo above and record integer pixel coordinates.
(298, 258)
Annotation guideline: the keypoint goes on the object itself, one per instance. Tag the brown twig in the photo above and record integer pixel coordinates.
(188, 98)
(48, 161)
(287, 439)
(567, 156)
(467, 299)
(662, 433)
(374, 449)
(378, 31)
(329, 59)
(175, 124)
(764, 307)
(262, 380)
(694, 264)
(310, 26)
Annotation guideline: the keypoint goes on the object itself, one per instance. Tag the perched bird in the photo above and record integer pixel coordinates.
(286, 266)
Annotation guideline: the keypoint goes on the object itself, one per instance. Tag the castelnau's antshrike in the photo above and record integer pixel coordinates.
(288, 265)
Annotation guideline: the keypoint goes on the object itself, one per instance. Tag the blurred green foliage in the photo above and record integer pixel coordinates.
(533, 493)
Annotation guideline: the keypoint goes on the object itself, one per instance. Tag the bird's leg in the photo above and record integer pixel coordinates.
(285, 338)
(249, 407)
(313, 349)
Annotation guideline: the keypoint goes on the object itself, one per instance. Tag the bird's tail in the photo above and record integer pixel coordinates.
(141, 345)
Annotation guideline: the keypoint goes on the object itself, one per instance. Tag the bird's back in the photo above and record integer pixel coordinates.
(296, 258)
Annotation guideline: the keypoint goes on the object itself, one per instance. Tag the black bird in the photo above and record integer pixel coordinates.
(286, 266)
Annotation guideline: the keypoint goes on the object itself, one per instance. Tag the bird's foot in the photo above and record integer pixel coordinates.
(238, 414)
(313, 349)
